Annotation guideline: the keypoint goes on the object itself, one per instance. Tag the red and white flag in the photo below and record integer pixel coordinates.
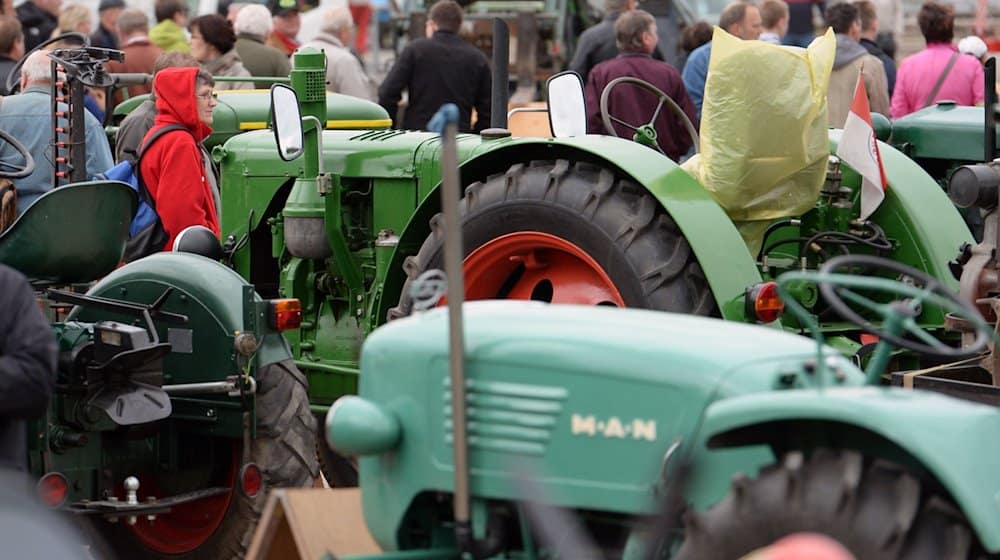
(859, 149)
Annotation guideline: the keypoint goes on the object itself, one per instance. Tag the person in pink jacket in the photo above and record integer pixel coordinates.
(939, 72)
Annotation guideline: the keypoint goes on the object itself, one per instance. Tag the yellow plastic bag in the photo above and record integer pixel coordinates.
(764, 142)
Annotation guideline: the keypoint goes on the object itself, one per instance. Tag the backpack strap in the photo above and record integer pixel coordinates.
(143, 192)
(940, 81)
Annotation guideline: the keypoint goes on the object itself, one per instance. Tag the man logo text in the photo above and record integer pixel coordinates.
(613, 427)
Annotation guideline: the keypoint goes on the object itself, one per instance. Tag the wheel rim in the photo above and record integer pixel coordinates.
(537, 266)
(188, 526)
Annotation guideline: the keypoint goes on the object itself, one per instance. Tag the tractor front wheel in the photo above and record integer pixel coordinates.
(222, 526)
(873, 508)
(565, 232)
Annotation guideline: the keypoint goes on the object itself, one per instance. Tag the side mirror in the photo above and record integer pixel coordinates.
(568, 116)
(287, 121)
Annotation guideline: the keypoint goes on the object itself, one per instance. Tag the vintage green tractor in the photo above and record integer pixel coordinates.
(626, 419)
(177, 402)
(587, 219)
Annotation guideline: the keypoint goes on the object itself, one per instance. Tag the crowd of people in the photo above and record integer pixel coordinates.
(624, 44)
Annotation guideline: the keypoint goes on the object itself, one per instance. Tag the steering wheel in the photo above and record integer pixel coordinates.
(9, 170)
(838, 291)
(644, 134)
(14, 78)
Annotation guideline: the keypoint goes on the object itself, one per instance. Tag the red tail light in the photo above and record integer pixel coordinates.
(53, 489)
(284, 314)
(763, 303)
(251, 480)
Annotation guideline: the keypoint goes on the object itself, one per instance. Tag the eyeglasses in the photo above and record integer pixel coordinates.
(208, 96)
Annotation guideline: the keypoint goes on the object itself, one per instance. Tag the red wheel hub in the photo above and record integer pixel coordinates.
(189, 525)
(537, 266)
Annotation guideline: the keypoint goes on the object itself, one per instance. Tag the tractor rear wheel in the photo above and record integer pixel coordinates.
(873, 508)
(222, 526)
(565, 232)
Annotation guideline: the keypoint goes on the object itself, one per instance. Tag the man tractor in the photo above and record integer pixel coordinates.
(177, 403)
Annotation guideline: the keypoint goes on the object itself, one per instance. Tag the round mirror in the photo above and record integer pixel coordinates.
(287, 121)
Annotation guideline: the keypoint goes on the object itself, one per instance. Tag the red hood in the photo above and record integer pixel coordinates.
(175, 100)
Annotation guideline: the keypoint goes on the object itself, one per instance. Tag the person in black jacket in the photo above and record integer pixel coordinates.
(440, 69)
(106, 35)
(869, 32)
(39, 18)
(27, 366)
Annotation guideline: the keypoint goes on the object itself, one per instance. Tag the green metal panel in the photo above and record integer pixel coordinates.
(954, 440)
(541, 386)
(918, 215)
(75, 233)
(944, 131)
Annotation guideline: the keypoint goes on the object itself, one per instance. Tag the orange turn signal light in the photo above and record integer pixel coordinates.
(763, 303)
(284, 314)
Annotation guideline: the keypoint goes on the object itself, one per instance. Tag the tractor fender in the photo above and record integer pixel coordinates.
(721, 251)
(914, 215)
(951, 440)
(210, 294)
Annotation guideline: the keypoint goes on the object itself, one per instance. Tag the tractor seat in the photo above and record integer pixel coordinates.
(71, 234)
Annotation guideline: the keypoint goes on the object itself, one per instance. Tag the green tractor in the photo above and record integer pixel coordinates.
(520, 430)
(349, 227)
(177, 401)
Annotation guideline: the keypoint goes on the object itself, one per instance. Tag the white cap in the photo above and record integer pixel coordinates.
(972, 45)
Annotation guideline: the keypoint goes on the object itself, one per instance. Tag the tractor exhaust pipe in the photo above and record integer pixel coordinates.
(990, 145)
(501, 56)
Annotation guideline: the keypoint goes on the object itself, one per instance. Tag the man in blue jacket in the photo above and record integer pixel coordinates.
(28, 117)
(741, 19)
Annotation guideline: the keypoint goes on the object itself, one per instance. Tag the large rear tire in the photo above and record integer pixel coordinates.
(874, 508)
(567, 232)
(285, 450)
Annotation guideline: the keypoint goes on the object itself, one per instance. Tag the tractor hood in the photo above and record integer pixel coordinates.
(944, 131)
(546, 386)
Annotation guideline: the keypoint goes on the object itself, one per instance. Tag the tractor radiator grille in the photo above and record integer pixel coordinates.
(507, 417)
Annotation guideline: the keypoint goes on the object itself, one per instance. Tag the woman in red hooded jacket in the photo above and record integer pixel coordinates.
(175, 168)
